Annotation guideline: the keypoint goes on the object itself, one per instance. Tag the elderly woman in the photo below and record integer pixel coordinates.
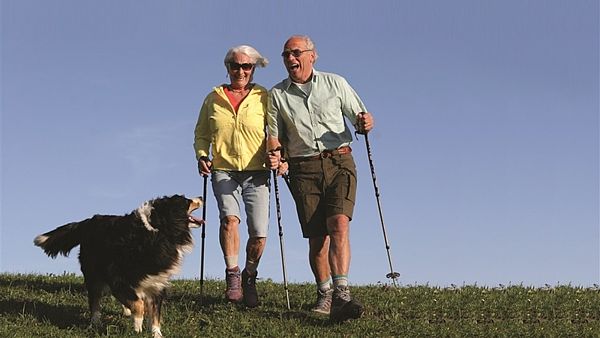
(232, 125)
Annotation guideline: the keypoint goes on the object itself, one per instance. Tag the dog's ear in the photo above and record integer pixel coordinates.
(144, 213)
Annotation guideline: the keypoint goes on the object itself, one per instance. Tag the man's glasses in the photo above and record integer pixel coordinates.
(237, 66)
(295, 52)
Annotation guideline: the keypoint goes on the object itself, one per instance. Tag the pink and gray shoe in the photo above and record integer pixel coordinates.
(233, 279)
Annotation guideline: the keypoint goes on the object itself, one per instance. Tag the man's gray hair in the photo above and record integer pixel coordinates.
(309, 43)
(254, 55)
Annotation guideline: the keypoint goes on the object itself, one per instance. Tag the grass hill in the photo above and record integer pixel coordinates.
(56, 306)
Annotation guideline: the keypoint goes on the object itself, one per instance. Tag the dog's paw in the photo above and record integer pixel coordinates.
(156, 332)
(126, 311)
(138, 323)
(95, 321)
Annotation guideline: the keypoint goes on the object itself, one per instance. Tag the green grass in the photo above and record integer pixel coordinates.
(56, 306)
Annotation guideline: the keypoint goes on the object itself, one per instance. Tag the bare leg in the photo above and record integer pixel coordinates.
(254, 251)
(318, 257)
(339, 249)
(229, 236)
(343, 306)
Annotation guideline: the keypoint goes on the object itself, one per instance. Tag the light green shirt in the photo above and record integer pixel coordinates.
(307, 125)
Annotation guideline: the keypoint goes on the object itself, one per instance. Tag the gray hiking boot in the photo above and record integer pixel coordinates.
(233, 279)
(343, 307)
(249, 286)
(323, 305)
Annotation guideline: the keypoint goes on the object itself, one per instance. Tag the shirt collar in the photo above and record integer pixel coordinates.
(288, 82)
(219, 89)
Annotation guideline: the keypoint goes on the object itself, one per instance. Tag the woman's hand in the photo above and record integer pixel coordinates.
(204, 166)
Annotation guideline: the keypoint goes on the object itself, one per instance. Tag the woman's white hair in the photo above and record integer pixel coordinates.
(254, 55)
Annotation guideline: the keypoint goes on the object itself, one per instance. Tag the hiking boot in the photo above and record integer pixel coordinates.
(233, 279)
(249, 286)
(323, 305)
(343, 307)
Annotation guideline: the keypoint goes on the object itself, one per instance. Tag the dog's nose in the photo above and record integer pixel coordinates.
(196, 203)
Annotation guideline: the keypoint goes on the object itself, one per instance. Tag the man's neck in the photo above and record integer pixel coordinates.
(305, 81)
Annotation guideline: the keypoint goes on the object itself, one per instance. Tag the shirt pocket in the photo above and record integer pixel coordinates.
(222, 125)
(253, 117)
(329, 109)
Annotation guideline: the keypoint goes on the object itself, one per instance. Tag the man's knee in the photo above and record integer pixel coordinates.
(338, 225)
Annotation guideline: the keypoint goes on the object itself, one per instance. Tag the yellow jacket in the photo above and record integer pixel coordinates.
(238, 140)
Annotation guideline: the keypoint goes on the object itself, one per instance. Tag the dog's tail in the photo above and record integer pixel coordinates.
(60, 240)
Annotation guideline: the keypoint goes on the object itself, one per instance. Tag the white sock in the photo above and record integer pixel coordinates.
(231, 261)
(340, 280)
(324, 286)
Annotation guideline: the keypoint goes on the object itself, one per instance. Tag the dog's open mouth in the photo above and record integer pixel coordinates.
(195, 222)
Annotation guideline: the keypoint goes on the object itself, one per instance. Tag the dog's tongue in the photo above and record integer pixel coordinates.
(196, 220)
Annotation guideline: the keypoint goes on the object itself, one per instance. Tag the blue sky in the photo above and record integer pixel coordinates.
(486, 144)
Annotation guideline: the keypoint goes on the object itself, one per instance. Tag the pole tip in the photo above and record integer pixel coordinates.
(393, 275)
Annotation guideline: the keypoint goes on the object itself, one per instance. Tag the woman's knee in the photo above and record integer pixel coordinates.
(230, 222)
(257, 241)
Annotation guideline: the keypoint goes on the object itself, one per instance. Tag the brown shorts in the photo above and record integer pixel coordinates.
(321, 188)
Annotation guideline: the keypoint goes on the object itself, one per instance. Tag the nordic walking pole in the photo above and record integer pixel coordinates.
(393, 275)
(278, 207)
(286, 179)
(203, 236)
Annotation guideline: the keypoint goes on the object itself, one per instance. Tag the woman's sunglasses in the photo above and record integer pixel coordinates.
(237, 66)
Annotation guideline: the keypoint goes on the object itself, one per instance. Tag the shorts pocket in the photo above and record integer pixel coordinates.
(346, 185)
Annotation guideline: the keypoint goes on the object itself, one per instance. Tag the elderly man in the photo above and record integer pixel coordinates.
(307, 129)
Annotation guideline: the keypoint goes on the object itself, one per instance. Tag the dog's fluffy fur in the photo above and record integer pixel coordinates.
(133, 255)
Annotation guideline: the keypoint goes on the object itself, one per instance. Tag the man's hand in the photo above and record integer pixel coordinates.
(364, 122)
(274, 158)
(275, 162)
(282, 169)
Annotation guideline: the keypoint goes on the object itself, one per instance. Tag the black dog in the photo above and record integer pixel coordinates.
(133, 255)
